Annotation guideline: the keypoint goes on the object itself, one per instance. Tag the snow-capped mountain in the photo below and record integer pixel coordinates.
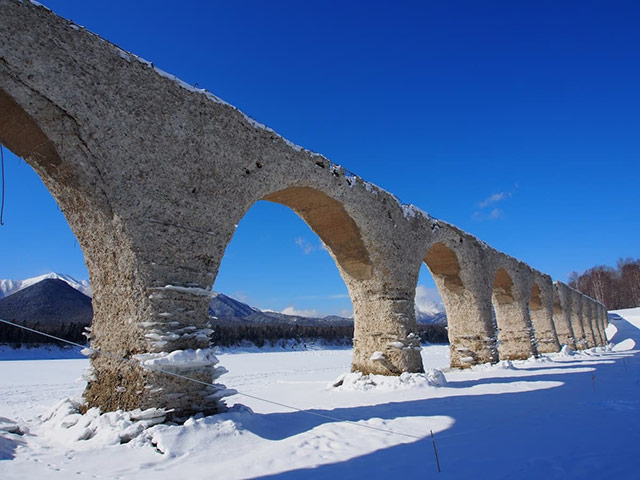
(429, 306)
(49, 302)
(229, 310)
(7, 287)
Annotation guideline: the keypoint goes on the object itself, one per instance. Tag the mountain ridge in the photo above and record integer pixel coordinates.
(229, 311)
(9, 287)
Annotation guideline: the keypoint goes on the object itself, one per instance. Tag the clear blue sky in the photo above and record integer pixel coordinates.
(517, 121)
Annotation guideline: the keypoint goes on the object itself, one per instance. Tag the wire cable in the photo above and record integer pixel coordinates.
(525, 413)
(184, 377)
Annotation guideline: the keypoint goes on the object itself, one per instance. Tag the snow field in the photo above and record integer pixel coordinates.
(566, 415)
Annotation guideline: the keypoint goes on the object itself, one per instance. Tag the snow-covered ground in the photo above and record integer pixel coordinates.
(560, 416)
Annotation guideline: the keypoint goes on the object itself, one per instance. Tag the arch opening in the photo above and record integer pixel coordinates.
(443, 262)
(328, 218)
(383, 320)
(535, 302)
(503, 287)
(294, 273)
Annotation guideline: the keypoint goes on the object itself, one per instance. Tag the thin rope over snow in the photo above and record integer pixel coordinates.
(184, 377)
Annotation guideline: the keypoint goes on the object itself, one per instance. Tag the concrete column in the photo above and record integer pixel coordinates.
(472, 333)
(595, 323)
(587, 321)
(466, 294)
(596, 320)
(576, 320)
(562, 315)
(385, 341)
(155, 316)
(515, 332)
(604, 321)
(541, 312)
(601, 327)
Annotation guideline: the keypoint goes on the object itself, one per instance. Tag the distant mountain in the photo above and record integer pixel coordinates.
(8, 287)
(48, 302)
(227, 310)
(432, 318)
(230, 311)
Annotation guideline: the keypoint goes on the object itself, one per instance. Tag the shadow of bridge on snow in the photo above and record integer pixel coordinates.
(552, 423)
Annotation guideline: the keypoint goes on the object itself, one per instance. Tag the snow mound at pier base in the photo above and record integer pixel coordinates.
(357, 381)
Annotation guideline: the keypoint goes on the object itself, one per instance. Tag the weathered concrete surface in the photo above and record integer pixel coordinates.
(587, 322)
(602, 323)
(562, 314)
(153, 177)
(577, 322)
(455, 260)
(511, 289)
(541, 312)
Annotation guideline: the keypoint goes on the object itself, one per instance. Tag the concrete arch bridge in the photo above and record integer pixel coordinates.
(153, 176)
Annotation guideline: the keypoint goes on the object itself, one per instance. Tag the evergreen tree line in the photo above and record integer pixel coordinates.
(223, 335)
(259, 335)
(18, 336)
(615, 287)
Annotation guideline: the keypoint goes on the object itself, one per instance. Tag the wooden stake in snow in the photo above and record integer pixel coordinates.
(435, 450)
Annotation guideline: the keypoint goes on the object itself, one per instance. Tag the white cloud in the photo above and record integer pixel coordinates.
(346, 313)
(241, 296)
(495, 198)
(292, 310)
(483, 212)
(335, 296)
(308, 247)
(428, 300)
(496, 213)
(305, 246)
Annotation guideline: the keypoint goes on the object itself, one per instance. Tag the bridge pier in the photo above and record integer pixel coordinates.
(605, 323)
(472, 333)
(541, 311)
(602, 323)
(589, 334)
(148, 320)
(385, 340)
(511, 306)
(466, 294)
(562, 314)
(576, 319)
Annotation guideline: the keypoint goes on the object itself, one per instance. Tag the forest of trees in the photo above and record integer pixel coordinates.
(223, 335)
(259, 335)
(17, 337)
(615, 287)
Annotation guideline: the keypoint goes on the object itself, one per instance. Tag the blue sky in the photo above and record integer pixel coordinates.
(517, 121)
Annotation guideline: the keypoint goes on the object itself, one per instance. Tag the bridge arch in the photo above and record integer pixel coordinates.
(328, 218)
(384, 319)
